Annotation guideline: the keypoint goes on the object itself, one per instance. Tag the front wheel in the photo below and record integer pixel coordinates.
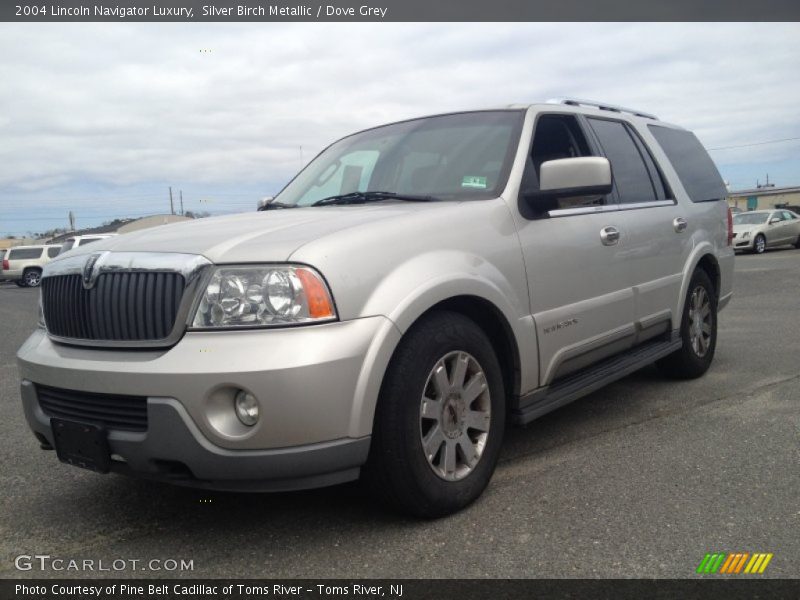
(759, 244)
(440, 418)
(698, 331)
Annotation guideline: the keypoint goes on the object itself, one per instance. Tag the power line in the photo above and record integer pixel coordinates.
(793, 139)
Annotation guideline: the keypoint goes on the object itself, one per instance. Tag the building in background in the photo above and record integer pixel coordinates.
(122, 226)
(7, 243)
(762, 198)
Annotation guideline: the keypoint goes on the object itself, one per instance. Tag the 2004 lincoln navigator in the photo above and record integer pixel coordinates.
(414, 288)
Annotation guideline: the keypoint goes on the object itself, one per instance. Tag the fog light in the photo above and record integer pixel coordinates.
(246, 408)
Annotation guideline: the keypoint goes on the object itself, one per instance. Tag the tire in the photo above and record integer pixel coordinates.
(412, 405)
(20, 283)
(32, 278)
(759, 244)
(797, 243)
(699, 344)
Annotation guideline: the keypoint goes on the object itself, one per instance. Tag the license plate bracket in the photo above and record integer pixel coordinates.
(81, 445)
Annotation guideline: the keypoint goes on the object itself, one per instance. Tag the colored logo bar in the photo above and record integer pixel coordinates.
(734, 563)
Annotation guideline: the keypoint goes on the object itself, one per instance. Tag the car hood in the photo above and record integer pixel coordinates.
(266, 236)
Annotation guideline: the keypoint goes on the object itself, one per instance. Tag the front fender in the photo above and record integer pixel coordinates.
(417, 285)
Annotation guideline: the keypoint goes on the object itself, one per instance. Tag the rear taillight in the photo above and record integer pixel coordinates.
(6, 266)
(730, 227)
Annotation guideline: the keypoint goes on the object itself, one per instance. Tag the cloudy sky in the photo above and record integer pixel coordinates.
(101, 118)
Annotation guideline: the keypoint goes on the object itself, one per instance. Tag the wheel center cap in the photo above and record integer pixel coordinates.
(697, 323)
(453, 416)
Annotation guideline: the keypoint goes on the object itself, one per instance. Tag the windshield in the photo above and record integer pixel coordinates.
(750, 218)
(458, 156)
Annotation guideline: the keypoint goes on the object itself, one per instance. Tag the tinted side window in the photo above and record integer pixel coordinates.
(53, 251)
(691, 162)
(788, 216)
(25, 253)
(631, 177)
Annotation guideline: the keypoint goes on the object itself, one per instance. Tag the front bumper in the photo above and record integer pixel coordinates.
(740, 243)
(308, 381)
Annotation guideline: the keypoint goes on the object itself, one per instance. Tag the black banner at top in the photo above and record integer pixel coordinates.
(397, 10)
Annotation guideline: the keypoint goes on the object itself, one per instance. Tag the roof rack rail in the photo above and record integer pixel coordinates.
(602, 106)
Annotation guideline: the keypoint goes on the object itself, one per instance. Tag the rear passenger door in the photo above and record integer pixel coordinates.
(792, 226)
(784, 230)
(655, 234)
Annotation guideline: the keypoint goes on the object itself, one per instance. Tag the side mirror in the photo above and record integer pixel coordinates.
(264, 201)
(774, 220)
(584, 176)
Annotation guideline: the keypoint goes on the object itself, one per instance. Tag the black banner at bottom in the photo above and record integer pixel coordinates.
(405, 589)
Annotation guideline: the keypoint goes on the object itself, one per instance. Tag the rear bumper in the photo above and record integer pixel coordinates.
(11, 275)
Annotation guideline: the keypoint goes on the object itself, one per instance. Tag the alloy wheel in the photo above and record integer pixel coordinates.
(455, 415)
(32, 278)
(700, 321)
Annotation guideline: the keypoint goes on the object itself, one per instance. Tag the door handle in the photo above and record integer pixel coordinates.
(679, 225)
(609, 235)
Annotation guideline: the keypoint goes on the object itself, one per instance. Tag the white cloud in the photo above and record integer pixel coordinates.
(125, 103)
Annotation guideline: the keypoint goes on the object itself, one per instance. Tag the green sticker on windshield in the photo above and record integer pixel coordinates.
(471, 181)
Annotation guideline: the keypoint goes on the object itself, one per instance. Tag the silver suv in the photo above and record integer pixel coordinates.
(416, 287)
(24, 264)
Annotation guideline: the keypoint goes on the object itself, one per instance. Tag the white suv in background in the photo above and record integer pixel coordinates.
(81, 240)
(23, 264)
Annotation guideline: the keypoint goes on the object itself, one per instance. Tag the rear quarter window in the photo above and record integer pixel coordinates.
(53, 251)
(691, 162)
(25, 253)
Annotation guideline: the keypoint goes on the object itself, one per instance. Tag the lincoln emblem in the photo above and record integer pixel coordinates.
(88, 270)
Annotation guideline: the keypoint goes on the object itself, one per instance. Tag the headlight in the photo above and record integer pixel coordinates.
(264, 296)
(746, 234)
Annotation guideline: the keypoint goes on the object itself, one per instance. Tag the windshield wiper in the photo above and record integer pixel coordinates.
(363, 197)
(276, 205)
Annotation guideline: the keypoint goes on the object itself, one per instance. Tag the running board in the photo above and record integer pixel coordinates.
(585, 382)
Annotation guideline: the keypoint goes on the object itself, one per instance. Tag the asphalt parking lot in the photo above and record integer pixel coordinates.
(640, 479)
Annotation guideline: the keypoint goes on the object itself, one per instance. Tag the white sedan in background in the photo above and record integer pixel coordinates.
(761, 229)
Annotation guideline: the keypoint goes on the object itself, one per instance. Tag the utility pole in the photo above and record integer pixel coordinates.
(71, 221)
(181, 202)
(171, 205)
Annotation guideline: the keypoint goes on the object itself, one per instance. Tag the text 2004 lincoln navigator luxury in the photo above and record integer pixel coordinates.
(414, 288)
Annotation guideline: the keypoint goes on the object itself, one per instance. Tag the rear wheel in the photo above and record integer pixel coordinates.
(759, 244)
(797, 243)
(440, 419)
(698, 331)
(32, 277)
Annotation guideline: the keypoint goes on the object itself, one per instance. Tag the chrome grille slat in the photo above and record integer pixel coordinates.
(121, 306)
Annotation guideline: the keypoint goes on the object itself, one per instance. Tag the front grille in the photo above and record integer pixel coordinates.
(122, 306)
(109, 410)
